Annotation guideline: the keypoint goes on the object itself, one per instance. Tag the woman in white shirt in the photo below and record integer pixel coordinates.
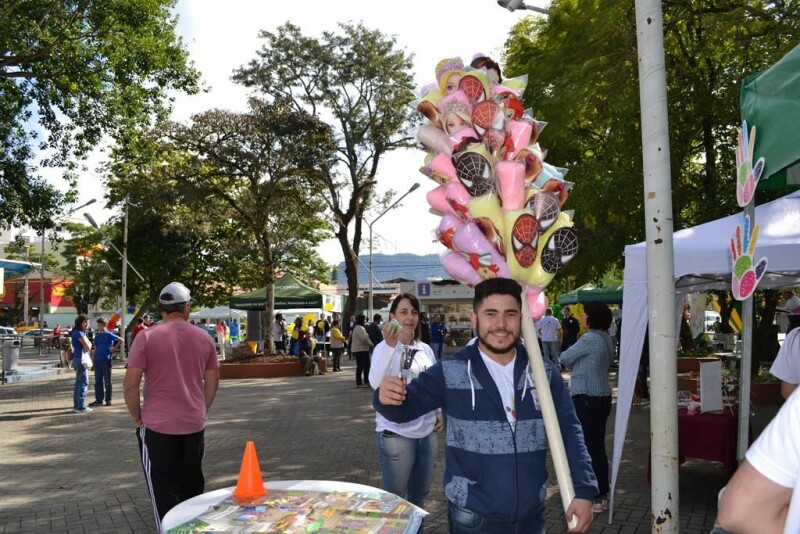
(406, 451)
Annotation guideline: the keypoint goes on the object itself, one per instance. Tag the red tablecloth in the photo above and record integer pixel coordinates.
(707, 436)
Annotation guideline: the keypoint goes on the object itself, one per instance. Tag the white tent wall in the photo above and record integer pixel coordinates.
(702, 262)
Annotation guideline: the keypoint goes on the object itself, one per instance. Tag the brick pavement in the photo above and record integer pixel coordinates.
(65, 472)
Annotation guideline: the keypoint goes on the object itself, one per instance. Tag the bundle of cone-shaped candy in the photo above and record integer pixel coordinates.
(500, 202)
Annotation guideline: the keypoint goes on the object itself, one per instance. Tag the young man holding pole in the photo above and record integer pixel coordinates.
(495, 471)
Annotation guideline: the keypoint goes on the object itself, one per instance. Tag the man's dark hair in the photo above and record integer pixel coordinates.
(377, 318)
(598, 315)
(361, 319)
(140, 320)
(171, 308)
(497, 286)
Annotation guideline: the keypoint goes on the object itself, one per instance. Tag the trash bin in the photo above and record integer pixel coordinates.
(10, 354)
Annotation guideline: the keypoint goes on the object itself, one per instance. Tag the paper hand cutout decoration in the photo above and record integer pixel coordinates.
(747, 175)
(746, 274)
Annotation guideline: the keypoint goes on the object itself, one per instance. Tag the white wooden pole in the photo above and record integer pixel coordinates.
(554, 439)
(660, 267)
(745, 363)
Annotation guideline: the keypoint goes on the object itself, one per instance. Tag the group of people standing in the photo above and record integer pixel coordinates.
(362, 339)
(99, 353)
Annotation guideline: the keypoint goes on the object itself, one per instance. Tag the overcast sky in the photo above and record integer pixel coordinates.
(222, 36)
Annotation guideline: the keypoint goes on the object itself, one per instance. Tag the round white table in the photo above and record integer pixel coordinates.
(188, 510)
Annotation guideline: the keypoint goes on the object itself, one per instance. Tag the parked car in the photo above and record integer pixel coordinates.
(6, 331)
(24, 327)
(32, 338)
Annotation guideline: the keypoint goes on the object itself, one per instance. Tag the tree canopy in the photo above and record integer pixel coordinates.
(583, 80)
(241, 188)
(70, 73)
(356, 81)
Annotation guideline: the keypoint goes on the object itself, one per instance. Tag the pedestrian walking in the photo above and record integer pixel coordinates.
(361, 345)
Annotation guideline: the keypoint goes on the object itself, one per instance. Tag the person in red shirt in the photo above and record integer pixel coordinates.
(142, 323)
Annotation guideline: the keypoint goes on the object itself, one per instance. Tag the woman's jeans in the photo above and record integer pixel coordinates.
(362, 367)
(593, 413)
(407, 464)
(462, 521)
(81, 385)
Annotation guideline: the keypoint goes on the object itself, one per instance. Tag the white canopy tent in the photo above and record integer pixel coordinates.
(220, 312)
(702, 259)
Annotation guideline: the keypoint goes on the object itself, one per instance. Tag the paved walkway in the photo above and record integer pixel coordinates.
(65, 472)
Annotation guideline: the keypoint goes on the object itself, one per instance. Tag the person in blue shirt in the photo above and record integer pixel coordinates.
(438, 332)
(234, 332)
(104, 344)
(80, 345)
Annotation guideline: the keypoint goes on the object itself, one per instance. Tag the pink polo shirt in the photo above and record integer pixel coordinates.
(174, 357)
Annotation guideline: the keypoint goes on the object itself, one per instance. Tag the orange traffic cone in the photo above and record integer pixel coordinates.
(250, 485)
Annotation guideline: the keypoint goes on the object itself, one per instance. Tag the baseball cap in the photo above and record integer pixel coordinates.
(174, 293)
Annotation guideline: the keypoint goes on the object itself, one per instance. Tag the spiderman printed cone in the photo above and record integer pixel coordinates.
(501, 209)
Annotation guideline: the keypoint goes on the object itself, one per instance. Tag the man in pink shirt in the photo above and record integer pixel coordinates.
(180, 363)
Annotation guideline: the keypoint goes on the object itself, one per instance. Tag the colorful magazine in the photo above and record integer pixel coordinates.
(309, 512)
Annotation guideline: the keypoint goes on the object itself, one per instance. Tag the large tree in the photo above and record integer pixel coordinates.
(174, 232)
(70, 73)
(265, 166)
(582, 63)
(358, 82)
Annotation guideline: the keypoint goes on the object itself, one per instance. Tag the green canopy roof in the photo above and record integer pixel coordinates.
(769, 101)
(289, 293)
(592, 293)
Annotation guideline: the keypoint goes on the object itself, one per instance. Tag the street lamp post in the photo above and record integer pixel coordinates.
(513, 5)
(369, 225)
(124, 257)
(41, 273)
(125, 264)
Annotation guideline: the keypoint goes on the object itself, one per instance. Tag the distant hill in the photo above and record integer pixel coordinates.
(389, 267)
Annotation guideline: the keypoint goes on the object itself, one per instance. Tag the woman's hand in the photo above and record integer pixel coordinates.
(391, 331)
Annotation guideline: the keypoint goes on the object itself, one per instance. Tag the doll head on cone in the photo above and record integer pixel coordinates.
(448, 74)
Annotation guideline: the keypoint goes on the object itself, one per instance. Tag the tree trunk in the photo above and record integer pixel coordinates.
(269, 311)
(351, 271)
(269, 295)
